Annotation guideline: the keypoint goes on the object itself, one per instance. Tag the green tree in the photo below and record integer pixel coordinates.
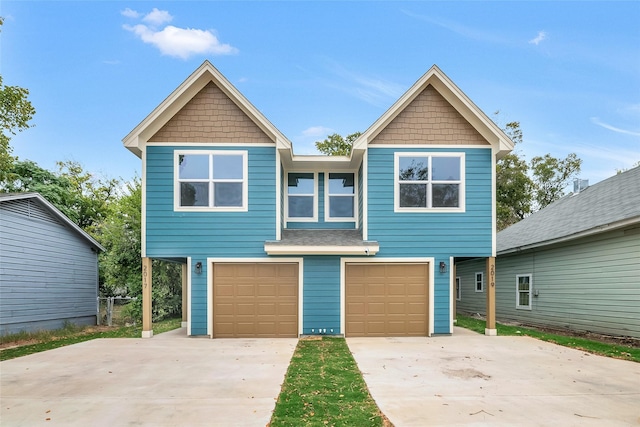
(336, 145)
(513, 185)
(551, 176)
(121, 264)
(80, 195)
(91, 195)
(15, 113)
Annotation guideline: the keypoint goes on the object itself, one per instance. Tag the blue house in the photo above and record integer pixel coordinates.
(280, 245)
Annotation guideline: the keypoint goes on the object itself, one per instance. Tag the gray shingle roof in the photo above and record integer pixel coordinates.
(321, 238)
(597, 207)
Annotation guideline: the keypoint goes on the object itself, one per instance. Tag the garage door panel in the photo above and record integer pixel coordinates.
(386, 299)
(255, 300)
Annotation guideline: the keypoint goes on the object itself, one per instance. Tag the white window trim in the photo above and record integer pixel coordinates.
(245, 181)
(481, 282)
(524, 307)
(327, 210)
(315, 198)
(458, 288)
(396, 192)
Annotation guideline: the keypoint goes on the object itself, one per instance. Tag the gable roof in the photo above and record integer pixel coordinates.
(607, 205)
(6, 197)
(200, 78)
(501, 143)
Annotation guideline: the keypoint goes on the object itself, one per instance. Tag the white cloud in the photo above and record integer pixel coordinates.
(130, 13)
(174, 41)
(317, 131)
(597, 121)
(157, 17)
(542, 35)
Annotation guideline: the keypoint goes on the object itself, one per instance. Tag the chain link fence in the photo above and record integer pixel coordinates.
(112, 311)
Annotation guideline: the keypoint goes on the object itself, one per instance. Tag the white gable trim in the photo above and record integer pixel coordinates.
(206, 73)
(435, 77)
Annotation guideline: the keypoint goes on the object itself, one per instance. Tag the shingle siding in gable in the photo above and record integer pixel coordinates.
(211, 117)
(430, 119)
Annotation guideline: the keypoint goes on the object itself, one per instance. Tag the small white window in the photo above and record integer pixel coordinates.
(429, 182)
(340, 193)
(458, 289)
(523, 291)
(211, 181)
(302, 190)
(479, 282)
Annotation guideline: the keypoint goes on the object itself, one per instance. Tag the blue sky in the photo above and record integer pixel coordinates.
(568, 71)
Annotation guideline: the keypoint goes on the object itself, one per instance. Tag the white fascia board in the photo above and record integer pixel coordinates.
(278, 249)
(184, 93)
(458, 99)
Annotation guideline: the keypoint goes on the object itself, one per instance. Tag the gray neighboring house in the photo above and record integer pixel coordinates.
(574, 264)
(48, 267)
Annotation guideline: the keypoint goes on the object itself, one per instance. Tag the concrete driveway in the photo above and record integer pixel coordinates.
(470, 379)
(169, 380)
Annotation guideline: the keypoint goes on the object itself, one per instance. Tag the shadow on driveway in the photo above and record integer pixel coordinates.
(468, 379)
(169, 380)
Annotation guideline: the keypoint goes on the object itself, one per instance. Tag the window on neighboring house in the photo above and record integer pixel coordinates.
(458, 289)
(340, 189)
(301, 196)
(433, 182)
(211, 180)
(479, 282)
(523, 291)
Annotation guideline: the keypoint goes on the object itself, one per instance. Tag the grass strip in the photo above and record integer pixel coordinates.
(324, 387)
(48, 340)
(596, 347)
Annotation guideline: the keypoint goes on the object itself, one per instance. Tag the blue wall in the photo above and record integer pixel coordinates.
(431, 234)
(200, 235)
(321, 301)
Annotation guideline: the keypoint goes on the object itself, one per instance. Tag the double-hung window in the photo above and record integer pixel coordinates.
(479, 282)
(429, 182)
(301, 196)
(340, 190)
(211, 181)
(523, 291)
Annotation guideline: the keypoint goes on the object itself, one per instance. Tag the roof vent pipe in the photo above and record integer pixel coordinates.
(580, 185)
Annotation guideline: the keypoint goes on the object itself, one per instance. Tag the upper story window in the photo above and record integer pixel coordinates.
(302, 190)
(340, 194)
(429, 182)
(211, 181)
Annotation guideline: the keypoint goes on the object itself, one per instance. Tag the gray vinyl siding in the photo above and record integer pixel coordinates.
(48, 272)
(590, 284)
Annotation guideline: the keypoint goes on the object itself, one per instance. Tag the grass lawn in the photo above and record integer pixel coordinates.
(23, 344)
(591, 346)
(324, 387)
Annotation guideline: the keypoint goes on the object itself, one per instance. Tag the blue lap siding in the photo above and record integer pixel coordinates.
(171, 234)
(432, 234)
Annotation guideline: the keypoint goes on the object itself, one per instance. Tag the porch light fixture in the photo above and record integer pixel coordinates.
(443, 267)
(198, 267)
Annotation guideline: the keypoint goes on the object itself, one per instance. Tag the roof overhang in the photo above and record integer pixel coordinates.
(274, 248)
(498, 140)
(586, 233)
(55, 212)
(291, 161)
(206, 73)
